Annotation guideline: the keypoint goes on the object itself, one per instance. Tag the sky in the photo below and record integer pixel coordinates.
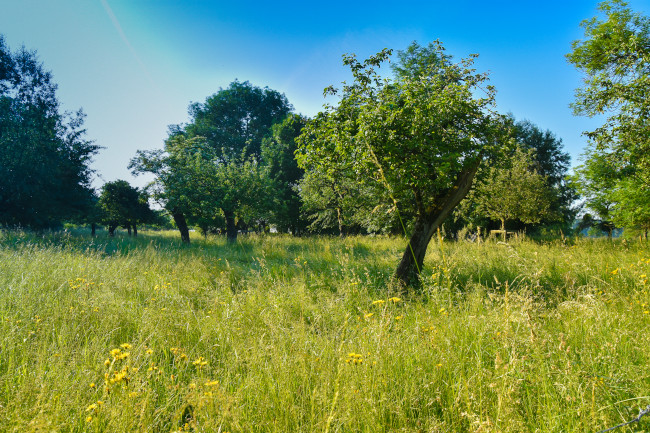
(134, 66)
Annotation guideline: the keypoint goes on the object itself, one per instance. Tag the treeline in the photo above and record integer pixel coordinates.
(402, 153)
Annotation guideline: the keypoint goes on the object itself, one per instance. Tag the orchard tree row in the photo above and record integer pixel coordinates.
(399, 152)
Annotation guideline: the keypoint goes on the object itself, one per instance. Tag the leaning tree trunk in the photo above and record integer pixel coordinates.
(426, 223)
(231, 227)
(181, 223)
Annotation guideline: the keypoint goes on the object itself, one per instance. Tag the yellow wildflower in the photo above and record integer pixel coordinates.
(395, 299)
(125, 346)
(378, 302)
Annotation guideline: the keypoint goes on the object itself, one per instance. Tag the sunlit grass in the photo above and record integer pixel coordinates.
(287, 334)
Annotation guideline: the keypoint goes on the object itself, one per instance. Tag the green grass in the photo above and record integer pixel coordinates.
(285, 335)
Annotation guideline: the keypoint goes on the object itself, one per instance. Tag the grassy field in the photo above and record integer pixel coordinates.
(298, 335)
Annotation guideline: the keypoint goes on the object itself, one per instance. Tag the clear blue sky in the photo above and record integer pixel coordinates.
(135, 65)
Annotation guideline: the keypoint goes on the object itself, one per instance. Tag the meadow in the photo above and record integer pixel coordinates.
(282, 334)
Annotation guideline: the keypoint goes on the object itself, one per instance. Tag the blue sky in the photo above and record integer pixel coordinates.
(135, 65)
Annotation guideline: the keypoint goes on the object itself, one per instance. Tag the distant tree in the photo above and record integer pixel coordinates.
(615, 59)
(208, 164)
(124, 205)
(514, 191)
(552, 163)
(421, 135)
(278, 153)
(44, 157)
(170, 188)
(596, 180)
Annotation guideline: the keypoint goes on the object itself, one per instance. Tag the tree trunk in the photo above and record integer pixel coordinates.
(179, 219)
(339, 218)
(111, 229)
(135, 231)
(93, 229)
(128, 229)
(408, 270)
(231, 227)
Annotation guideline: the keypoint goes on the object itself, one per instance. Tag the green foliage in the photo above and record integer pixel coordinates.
(521, 337)
(278, 154)
(615, 58)
(632, 209)
(596, 180)
(123, 205)
(211, 169)
(552, 163)
(44, 157)
(514, 191)
(416, 138)
(236, 120)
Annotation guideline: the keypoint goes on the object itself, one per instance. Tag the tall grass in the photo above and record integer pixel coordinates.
(284, 334)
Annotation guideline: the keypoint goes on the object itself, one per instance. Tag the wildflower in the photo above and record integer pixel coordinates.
(200, 362)
(378, 302)
(91, 407)
(115, 353)
(354, 358)
(107, 362)
(92, 385)
(149, 351)
(395, 299)
(438, 365)
(398, 317)
(212, 383)
(369, 315)
(89, 419)
(125, 346)
(615, 271)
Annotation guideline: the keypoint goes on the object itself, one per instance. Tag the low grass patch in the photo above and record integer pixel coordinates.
(298, 335)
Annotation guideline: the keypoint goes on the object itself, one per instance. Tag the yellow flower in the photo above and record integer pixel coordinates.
(149, 351)
(125, 346)
(398, 317)
(378, 302)
(115, 352)
(91, 407)
(89, 419)
(92, 385)
(615, 271)
(395, 299)
(212, 383)
(200, 362)
(369, 315)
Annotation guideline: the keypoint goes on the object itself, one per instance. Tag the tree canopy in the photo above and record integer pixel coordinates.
(44, 157)
(615, 60)
(124, 205)
(212, 168)
(420, 135)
